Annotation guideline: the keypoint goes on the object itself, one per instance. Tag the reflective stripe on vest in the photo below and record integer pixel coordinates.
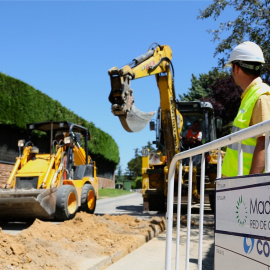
(248, 145)
(241, 121)
(246, 148)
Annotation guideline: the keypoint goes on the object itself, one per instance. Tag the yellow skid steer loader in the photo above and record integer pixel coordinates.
(51, 180)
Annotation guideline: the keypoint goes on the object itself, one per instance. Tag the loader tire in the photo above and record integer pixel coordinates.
(66, 202)
(88, 199)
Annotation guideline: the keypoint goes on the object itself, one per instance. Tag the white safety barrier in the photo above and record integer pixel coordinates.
(237, 137)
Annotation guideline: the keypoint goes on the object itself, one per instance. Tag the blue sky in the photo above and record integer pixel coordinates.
(65, 49)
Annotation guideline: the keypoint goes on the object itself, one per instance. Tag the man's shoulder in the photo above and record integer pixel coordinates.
(261, 110)
(264, 87)
(264, 97)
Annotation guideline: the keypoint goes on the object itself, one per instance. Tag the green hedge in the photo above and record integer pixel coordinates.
(20, 104)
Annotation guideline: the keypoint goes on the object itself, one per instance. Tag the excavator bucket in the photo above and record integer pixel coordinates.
(122, 100)
(22, 204)
(135, 120)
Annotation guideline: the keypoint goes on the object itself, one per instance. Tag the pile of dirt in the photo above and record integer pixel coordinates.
(46, 245)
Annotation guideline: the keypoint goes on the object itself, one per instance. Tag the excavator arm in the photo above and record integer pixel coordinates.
(156, 61)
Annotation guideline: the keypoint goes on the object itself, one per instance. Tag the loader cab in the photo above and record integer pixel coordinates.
(61, 140)
(48, 134)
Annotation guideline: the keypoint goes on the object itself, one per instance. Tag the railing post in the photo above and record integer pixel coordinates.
(201, 212)
(178, 214)
(190, 174)
(169, 217)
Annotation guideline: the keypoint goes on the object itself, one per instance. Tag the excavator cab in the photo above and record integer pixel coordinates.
(189, 112)
(209, 124)
(202, 112)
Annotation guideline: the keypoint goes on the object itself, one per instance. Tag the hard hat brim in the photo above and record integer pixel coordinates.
(228, 64)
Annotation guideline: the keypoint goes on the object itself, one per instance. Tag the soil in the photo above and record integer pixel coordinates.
(46, 245)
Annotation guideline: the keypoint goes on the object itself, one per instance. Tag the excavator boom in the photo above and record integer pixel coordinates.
(154, 61)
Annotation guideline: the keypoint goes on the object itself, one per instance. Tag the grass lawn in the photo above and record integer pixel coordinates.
(110, 192)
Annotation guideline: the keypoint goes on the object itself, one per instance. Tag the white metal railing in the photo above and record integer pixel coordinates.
(261, 128)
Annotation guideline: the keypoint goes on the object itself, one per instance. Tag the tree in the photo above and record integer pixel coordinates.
(134, 169)
(137, 183)
(119, 177)
(134, 166)
(200, 87)
(149, 146)
(225, 97)
(252, 23)
(218, 88)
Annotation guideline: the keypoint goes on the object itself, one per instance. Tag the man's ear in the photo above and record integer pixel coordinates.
(236, 69)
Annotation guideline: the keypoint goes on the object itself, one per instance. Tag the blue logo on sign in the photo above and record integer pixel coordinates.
(248, 245)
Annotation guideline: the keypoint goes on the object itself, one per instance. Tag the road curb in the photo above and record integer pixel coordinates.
(157, 226)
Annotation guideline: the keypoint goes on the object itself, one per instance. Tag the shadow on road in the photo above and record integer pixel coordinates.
(134, 210)
(131, 208)
(15, 226)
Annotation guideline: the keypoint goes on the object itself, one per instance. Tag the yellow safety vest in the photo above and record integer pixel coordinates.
(241, 121)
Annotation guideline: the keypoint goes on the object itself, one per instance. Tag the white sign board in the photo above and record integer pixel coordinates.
(242, 222)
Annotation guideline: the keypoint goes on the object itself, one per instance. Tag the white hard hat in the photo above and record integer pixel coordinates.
(246, 51)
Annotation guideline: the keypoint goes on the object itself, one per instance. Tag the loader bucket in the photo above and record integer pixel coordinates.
(135, 120)
(22, 204)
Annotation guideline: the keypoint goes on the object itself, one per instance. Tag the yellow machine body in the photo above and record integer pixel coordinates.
(169, 124)
(35, 186)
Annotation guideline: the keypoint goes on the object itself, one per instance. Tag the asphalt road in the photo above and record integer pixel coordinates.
(131, 204)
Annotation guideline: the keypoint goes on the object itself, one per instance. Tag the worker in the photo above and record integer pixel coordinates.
(193, 136)
(246, 61)
(59, 137)
(59, 140)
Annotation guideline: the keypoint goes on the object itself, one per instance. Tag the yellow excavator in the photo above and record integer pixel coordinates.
(53, 178)
(156, 61)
